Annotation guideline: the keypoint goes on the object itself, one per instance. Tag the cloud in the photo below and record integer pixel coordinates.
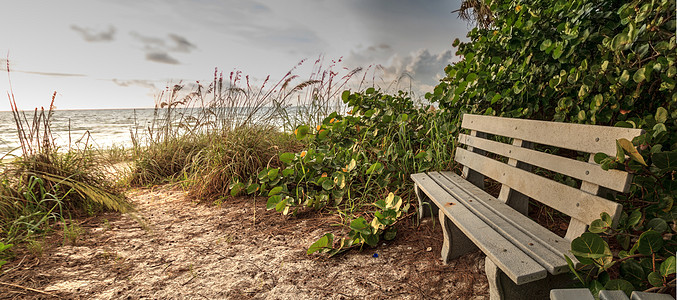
(425, 67)
(422, 67)
(161, 57)
(157, 49)
(135, 82)
(182, 44)
(149, 42)
(91, 35)
(3, 67)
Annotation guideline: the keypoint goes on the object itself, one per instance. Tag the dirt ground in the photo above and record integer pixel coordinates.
(174, 248)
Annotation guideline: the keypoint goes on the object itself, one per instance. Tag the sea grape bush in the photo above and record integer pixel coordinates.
(363, 232)
(356, 158)
(594, 62)
(359, 156)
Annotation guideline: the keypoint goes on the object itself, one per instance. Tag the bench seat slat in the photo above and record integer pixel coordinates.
(573, 202)
(517, 265)
(529, 227)
(579, 137)
(612, 179)
(538, 248)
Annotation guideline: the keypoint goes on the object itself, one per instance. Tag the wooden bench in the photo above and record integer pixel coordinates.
(524, 259)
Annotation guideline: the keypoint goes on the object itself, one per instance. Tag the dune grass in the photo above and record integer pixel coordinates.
(212, 137)
(46, 185)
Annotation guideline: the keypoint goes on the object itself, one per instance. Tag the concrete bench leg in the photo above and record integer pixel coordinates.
(426, 208)
(501, 287)
(455, 242)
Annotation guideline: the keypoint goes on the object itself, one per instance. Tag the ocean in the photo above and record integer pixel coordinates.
(99, 128)
(104, 128)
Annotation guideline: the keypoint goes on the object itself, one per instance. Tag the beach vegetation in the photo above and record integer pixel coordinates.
(606, 63)
(46, 184)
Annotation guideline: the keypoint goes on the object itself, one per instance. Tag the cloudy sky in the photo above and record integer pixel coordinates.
(120, 54)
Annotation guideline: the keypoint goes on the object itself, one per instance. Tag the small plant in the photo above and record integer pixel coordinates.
(363, 232)
(72, 232)
(35, 247)
(3, 254)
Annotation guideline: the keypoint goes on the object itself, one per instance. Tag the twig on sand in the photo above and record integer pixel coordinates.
(29, 289)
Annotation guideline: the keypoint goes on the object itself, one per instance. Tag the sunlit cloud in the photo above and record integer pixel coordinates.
(135, 82)
(92, 35)
(161, 57)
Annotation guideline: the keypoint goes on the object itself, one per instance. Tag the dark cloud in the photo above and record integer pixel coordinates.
(92, 35)
(181, 43)
(423, 68)
(135, 82)
(161, 57)
(157, 49)
(148, 41)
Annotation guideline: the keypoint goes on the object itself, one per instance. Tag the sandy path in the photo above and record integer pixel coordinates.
(185, 250)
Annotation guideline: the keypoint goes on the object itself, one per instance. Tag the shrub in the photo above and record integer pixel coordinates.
(594, 62)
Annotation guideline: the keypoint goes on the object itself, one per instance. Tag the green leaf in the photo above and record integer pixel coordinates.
(595, 286)
(572, 268)
(658, 128)
(496, 97)
(666, 161)
(371, 239)
(668, 266)
(236, 188)
(328, 184)
(273, 201)
(634, 218)
(655, 279)
(345, 96)
(252, 188)
(545, 45)
(589, 247)
(321, 244)
(287, 172)
(340, 180)
(274, 191)
(360, 225)
(625, 76)
(263, 175)
(598, 226)
(282, 205)
(649, 242)
(287, 157)
(391, 233)
(631, 270)
(301, 132)
(4, 246)
(599, 157)
(471, 77)
(639, 75)
(661, 115)
(620, 284)
(272, 173)
(376, 167)
(657, 224)
(557, 52)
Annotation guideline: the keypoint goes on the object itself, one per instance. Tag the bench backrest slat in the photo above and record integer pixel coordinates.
(571, 201)
(579, 137)
(583, 205)
(612, 179)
